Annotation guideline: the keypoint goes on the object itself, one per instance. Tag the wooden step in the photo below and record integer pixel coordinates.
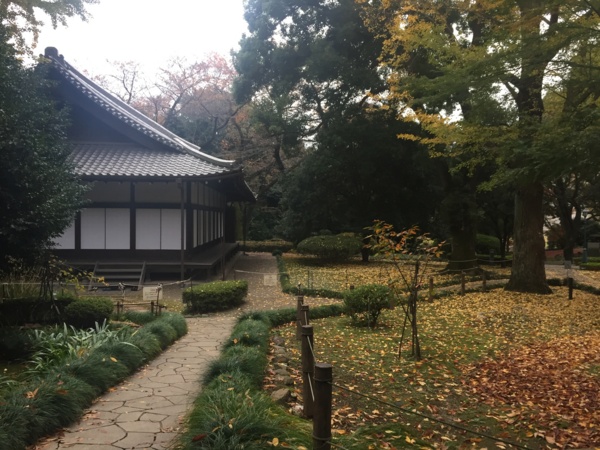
(131, 274)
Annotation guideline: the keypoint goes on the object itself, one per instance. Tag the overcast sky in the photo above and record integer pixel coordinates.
(147, 31)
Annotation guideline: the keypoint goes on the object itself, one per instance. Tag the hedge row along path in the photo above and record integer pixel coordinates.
(147, 410)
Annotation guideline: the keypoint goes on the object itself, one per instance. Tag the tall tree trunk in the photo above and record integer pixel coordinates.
(528, 271)
(463, 242)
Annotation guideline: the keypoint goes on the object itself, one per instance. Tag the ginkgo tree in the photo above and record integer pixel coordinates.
(476, 75)
(409, 253)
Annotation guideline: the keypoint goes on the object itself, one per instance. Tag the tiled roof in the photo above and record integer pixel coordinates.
(126, 114)
(130, 160)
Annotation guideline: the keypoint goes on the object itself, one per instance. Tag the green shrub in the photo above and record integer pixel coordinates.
(252, 361)
(14, 343)
(486, 243)
(86, 312)
(338, 247)
(268, 246)
(364, 304)
(215, 296)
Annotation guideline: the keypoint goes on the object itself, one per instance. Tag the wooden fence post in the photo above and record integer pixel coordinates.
(570, 283)
(152, 306)
(430, 289)
(322, 414)
(300, 302)
(462, 283)
(484, 280)
(308, 371)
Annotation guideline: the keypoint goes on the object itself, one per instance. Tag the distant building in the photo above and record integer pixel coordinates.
(155, 199)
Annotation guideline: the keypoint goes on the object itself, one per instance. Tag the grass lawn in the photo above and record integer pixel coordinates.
(522, 368)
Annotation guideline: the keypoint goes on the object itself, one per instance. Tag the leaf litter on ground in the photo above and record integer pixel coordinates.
(520, 367)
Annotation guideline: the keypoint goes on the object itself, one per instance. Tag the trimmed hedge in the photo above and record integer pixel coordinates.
(215, 296)
(62, 394)
(270, 246)
(338, 247)
(86, 312)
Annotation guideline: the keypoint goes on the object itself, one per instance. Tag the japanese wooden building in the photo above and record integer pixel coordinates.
(155, 199)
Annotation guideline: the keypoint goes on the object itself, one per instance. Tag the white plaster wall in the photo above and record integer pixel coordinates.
(93, 229)
(117, 228)
(147, 229)
(171, 229)
(66, 241)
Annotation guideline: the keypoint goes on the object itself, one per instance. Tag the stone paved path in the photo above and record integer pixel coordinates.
(147, 409)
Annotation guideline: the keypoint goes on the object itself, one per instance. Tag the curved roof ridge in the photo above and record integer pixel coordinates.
(127, 113)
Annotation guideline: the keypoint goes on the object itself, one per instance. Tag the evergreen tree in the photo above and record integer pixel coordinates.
(39, 194)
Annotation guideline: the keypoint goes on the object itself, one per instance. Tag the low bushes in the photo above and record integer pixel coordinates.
(86, 312)
(57, 396)
(364, 304)
(329, 247)
(215, 296)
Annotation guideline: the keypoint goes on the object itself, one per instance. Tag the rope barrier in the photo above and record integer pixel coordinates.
(310, 384)
(261, 273)
(433, 419)
(312, 351)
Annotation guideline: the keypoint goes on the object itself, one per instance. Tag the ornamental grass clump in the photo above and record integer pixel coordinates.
(250, 333)
(233, 417)
(252, 361)
(177, 321)
(41, 407)
(164, 332)
(72, 367)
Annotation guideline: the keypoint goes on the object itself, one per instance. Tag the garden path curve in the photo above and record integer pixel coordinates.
(147, 409)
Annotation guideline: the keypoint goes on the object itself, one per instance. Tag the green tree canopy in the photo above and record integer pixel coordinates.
(476, 76)
(359, 172)
(39, 194)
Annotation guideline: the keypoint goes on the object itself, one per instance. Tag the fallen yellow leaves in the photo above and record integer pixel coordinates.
(522, 363)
